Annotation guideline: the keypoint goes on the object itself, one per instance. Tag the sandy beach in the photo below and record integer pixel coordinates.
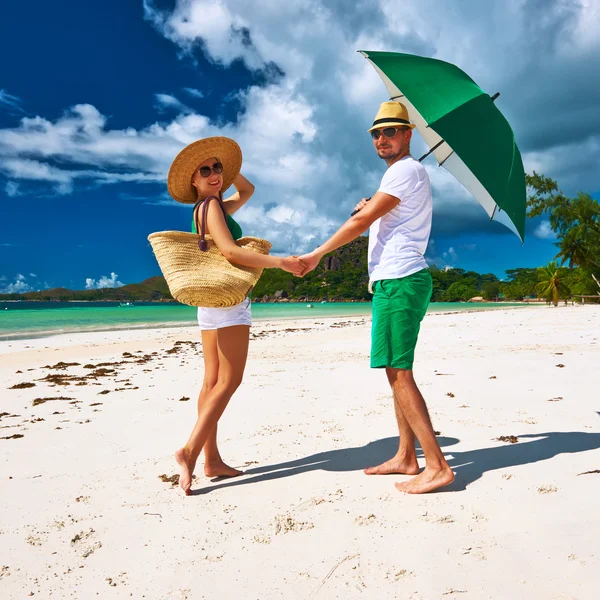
(88, 508)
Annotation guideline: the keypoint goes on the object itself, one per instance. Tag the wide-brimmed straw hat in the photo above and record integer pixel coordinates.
(391, 114)
(179, 180)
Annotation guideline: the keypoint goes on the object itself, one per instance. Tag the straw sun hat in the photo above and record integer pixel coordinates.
(179, 180)
(391, 113)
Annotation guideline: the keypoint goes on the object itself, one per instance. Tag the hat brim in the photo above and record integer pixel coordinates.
(179, 180)
(392, 124)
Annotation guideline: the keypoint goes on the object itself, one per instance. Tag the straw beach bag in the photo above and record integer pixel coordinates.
(195, 270)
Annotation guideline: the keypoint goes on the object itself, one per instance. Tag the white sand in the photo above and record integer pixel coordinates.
(83, 513)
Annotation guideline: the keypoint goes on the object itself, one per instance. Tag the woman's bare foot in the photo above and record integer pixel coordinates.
(220, 469)
(395, 466)
(430, 479)
(187, 469)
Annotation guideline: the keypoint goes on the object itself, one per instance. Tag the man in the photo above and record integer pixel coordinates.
(399, 218)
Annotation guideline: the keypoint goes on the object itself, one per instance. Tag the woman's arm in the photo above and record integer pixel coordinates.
(221, 235)
(244, 190)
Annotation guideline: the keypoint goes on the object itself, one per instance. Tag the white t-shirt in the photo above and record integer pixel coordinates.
(398, 240)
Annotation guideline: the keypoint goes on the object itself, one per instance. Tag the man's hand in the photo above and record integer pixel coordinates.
(311, 260)
(361, 204)
(293, 264)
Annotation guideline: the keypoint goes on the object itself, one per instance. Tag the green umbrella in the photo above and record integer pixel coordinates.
(466, 132)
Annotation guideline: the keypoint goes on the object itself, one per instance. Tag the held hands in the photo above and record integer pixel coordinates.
(293, 264)
(310, 260)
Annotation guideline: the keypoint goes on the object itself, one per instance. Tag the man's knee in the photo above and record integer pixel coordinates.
(399, 375)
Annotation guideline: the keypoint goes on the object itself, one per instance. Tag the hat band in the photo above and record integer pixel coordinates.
(390, 120)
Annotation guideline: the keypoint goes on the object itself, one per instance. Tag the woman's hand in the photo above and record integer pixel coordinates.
(292, 264)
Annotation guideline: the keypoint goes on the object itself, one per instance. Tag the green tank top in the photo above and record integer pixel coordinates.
(233, 226)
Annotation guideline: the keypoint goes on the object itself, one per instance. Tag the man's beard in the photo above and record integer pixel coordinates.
(388, 153)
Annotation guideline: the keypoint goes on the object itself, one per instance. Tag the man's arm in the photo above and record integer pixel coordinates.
(380, 204)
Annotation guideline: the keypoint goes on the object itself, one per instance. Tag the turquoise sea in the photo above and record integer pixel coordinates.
(22, 320)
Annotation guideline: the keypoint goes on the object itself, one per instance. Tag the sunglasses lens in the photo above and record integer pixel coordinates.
(389, 132)
(375, 134)
(218, 168)
(204, 171)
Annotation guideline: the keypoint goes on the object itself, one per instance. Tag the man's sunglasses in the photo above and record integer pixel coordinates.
(388, 132)
(217, 168)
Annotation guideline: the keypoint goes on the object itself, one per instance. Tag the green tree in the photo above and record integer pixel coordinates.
(575, 221)
(490, 290)
(552, 284)
(459, 291)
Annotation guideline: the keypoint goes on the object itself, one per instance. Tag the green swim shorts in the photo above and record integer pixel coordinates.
(399, 306)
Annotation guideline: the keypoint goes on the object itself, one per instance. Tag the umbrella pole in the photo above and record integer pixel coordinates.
(430, 151)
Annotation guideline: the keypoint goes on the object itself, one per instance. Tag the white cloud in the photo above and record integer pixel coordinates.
(303, 133)
(166, 101)
(18, 286)
(194, 92)
(103, 282)
(9, 100)
(544, 232)
(450, 255)
(12, 189)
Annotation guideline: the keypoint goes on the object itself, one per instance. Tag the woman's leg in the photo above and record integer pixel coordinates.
(213, 463)
(232, 348)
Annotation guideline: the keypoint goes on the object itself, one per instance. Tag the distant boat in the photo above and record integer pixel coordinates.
(126, 304)
(323, 301)
(309, 306)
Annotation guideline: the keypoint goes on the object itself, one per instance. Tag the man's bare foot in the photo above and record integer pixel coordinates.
(220, 469)
(185, 476)
(395, 466)
(430, 479)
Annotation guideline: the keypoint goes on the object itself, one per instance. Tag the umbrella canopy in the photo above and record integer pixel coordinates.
(467, 133)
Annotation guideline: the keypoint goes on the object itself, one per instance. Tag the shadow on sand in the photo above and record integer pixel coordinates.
(469, 466)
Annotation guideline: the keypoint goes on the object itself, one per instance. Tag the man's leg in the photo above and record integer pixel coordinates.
(399, 306)
(437, 473)
(404, 462)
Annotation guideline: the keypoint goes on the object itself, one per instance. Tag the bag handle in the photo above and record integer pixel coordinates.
(201, 227)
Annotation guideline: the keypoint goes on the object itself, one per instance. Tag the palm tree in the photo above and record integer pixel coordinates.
(578, 222)
(552, 284)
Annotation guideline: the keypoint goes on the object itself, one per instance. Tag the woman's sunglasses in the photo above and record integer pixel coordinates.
(217, 168)
(388, 132)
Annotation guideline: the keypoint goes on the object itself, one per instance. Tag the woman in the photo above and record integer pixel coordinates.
(203, 169)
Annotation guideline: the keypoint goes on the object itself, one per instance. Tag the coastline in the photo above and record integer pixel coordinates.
(363, 309)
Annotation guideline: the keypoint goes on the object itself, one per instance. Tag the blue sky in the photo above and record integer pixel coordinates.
(97, 98)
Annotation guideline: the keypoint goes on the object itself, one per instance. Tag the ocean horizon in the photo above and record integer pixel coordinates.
(26, 319)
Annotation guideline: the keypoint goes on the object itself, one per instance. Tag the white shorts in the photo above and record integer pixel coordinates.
(217, 318)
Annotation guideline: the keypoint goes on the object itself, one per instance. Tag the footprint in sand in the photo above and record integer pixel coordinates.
(85, 544)
(369, 520)
(287, 523)
(398, 575)
(262, 539)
